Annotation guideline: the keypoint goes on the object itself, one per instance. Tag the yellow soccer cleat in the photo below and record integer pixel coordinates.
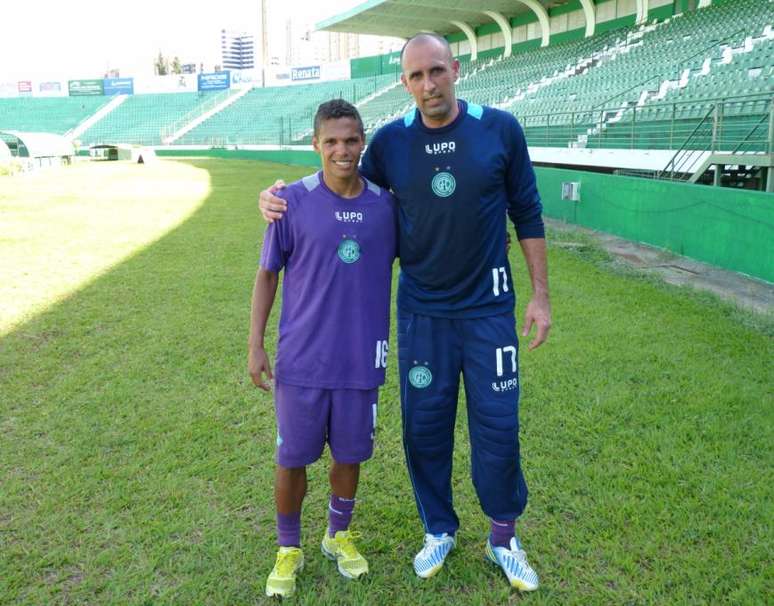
(341, 548)
(282, 579)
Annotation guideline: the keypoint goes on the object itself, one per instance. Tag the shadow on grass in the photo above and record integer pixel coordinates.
(129, 436)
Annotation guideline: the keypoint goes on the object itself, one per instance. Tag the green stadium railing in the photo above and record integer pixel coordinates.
(741, 124)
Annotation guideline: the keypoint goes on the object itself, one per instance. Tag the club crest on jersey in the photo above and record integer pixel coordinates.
(508, 385)
(420, 376)
(447, 147)
(349, 216)
(349, 251)
(443, 184)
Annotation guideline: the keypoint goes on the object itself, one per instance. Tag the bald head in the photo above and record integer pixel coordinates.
(427, 38)
(429, 73)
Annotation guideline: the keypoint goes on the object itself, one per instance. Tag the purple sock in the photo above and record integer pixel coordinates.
(501, 532)
(339, 514)
(289, 529)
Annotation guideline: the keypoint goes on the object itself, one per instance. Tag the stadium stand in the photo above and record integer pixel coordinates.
(718, 58)
(602, 91)
(141, 119)
(53, 115)
(278, 114)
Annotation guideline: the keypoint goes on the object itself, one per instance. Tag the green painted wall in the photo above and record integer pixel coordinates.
(376, 65)
(724, 227)
(365, 66)
(661, 12)
(390, 63)
(568, 36)
(607, 26)
(572, 5)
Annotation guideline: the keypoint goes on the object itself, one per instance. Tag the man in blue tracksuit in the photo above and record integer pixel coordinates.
(456, 169)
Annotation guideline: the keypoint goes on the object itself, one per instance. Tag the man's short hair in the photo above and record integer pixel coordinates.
(337, 108)
(426, 36)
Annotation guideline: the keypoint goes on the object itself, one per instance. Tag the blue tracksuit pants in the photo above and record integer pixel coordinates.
(432, 354)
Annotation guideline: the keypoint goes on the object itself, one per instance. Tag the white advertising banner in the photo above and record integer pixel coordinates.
(340, 70)
(49, 88)
(245, 78)
(175, 83)
(307, 74)
(9, 89)
(277, 76)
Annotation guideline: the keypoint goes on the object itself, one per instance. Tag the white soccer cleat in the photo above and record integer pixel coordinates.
(432, 556)
(513, 561)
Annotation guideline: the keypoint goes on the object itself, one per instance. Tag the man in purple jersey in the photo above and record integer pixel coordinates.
(337, 251)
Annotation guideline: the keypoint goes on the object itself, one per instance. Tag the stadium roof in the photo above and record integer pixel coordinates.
(404, 18)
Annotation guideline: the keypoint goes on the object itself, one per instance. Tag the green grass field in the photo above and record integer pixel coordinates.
(136, 457)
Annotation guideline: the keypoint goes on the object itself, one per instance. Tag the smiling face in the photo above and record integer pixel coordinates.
(339, 141)
(429, 74)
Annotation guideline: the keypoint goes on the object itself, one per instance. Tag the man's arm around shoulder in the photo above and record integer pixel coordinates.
(272, 207)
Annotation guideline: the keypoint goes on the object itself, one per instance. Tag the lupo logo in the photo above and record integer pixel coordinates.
(447, 147)
(508, 385)
(349, 216)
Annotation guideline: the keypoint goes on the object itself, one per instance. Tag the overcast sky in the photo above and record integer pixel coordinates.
(84, 38)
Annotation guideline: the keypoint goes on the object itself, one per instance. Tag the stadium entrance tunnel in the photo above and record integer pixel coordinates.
(37, 150)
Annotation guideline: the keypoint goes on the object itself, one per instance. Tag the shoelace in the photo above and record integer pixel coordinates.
(520, 555)
(431, 542)
(286, 562)
(346, 545)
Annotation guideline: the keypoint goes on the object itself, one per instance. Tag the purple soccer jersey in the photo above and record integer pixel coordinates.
(338, 255)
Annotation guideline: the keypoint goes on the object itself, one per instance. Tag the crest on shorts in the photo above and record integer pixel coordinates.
(349, 250)
(443, 184)
(420, 376)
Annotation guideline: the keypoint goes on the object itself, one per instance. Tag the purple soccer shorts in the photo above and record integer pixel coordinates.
(307, 417)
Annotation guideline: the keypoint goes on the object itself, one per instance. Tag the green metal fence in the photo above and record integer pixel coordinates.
(734, 124)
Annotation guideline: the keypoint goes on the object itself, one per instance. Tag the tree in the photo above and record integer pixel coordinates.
(176, 67)
(161, 65)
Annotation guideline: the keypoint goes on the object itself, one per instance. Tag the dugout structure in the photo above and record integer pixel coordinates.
(131, 153)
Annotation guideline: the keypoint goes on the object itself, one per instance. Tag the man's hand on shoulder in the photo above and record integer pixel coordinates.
(258, 365)
(271, 206)
(538, 313)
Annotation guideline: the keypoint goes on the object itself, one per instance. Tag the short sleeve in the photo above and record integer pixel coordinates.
(277, 244)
